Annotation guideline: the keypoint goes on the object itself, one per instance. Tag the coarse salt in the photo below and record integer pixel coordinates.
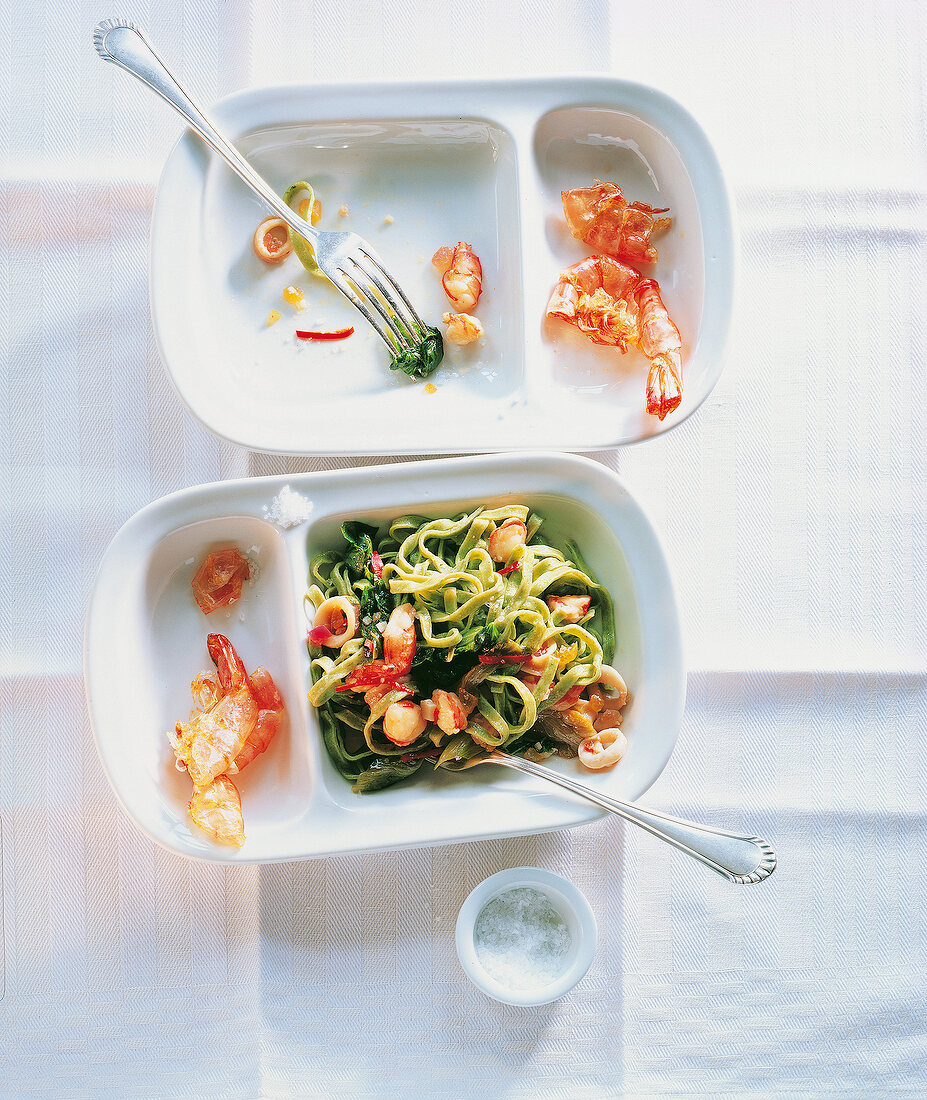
(521, 940)
(288, 508)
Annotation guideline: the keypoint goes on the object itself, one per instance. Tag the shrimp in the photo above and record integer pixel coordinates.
(570, 608)
(597, 296)
(216, 809)
(219, 580)
(660, 341)
(507, 539)
(209, 744)
(462, 275)
(461, 328)
(602, 218)
(403, 722)
(399, 639)
(270, 716)
(450, 713)
(602, 750)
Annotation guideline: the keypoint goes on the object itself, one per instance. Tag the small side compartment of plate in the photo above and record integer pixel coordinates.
(573, 147)
(146, 642)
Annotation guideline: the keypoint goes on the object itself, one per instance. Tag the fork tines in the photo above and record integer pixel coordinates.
(368, 285)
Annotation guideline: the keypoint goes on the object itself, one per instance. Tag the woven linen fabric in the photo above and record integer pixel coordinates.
(792, 508)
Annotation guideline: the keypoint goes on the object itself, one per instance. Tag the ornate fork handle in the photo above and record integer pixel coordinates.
(741, 859)
(122, 43)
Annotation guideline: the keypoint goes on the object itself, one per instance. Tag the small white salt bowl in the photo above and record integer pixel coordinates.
(536, 967)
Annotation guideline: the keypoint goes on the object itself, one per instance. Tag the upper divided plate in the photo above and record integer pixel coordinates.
(417, 166)
(146, 639)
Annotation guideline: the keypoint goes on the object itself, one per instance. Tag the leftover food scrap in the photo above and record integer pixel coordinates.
(234, 719)
(462, 279)
(219, 580)
(612, 303)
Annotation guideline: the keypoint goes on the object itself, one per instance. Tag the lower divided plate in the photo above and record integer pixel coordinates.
(146, 639)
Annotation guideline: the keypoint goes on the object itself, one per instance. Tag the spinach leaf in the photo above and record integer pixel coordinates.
(360, 536)
(420, 361)
(384, 772)
(528, 740)
(431, 669)
(376, 603)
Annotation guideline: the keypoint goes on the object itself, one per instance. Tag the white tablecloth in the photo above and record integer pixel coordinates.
(792, 508)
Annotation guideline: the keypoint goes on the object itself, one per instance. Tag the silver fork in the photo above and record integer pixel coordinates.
(741, 859)
(345, 258)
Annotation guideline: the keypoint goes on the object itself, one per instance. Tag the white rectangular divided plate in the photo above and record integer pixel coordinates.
(146, 639)
(419, 166)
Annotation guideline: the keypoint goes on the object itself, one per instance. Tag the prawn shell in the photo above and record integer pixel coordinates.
(218, 581)
(601, 217)
(597, 295)
(216, 809)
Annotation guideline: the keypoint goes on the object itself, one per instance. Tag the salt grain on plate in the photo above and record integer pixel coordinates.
(521, 940)
(288, 508)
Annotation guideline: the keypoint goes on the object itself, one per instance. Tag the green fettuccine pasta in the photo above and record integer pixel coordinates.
(478, 622)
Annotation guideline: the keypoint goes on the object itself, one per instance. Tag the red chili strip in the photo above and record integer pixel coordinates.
(376, 565)
(504, 658)
(333, 334)
(509, 568)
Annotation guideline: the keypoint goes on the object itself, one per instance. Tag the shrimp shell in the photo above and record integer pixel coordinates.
(597, 296)
(269, 719)
(602, 218)
(216, 809)
(660, 341)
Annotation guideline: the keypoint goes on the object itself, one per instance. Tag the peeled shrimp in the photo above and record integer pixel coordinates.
(461, 328)
(603, 749)
(450, 713)
(462, 275)
(507, 539)
(660, 341)
(216, 809)
(403, 722)
(399, 639)
(570, 608)
(600, 216)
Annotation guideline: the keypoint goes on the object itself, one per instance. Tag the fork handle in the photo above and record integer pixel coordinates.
(122, 43)
(741, 859)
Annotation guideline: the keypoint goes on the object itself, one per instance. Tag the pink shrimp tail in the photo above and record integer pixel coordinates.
(229, 665)
(664, 389)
